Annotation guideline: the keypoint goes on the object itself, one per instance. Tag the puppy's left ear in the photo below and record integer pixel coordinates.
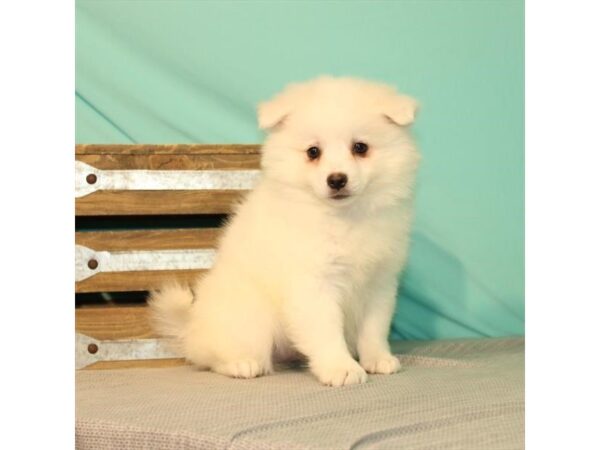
(401, 109)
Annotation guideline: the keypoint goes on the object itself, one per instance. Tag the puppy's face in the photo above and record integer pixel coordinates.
(342, 140)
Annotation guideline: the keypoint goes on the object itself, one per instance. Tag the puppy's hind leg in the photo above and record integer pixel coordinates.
(247, 355)
(242, 368)
(237, 327)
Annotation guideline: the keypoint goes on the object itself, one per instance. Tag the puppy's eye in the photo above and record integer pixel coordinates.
(313, 153)
(360, 148)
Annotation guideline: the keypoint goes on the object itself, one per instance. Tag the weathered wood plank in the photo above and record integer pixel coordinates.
(137, 364)
(109, 323)
(177, 239)
(170, 149)
(114, 322)
(171, 161)
(135, 281)
(138, 240)
(129, 203)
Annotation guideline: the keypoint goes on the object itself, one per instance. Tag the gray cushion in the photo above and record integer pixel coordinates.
(451, 395)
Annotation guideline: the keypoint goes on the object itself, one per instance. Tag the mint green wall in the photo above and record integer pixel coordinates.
(192, 71)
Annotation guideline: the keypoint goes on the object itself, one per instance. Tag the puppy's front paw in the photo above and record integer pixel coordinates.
(384, 364)
(244, 368)
(341, 374)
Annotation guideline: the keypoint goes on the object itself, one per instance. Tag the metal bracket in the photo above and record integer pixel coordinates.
(89, 350)
(89, 262)
(88, 179)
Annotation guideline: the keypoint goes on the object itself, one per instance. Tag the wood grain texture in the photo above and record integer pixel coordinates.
(177, 239)
(108, 323)
(137, 364)
(166, 149)
(114, 322)
(135, 281)
(172, 161)
(129, 203)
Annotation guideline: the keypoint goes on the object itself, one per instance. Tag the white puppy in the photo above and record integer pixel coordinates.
(308, 265)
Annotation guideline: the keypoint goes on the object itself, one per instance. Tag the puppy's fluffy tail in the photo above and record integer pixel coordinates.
(170, 307)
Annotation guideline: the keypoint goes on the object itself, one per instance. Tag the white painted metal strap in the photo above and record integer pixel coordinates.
(139, 260)
(119, 350)
(152, 180)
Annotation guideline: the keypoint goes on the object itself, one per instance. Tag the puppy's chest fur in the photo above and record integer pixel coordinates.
(302, 243)
(356, 249)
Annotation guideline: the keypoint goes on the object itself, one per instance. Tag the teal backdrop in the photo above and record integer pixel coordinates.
(193, 71)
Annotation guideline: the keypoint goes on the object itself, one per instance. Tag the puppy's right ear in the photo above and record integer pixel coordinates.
(272, 112)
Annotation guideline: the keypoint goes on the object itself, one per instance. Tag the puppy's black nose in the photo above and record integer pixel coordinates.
(337, 180)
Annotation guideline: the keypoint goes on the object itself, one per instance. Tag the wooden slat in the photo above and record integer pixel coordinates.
(104, 203)
(164, 157)
(114, 322)
(135, 281)
(171, 161)
(177, 239)
(137, 364)
(170, 149)
(107, 323)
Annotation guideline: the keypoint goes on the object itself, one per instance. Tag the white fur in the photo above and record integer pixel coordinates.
(299, 273)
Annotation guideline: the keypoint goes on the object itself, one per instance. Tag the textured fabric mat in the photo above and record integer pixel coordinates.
(450, 395)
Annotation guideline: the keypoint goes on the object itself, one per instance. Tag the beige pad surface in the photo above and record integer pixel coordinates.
(463, 395)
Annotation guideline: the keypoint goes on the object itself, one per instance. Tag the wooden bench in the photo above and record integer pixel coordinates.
(141, 215)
